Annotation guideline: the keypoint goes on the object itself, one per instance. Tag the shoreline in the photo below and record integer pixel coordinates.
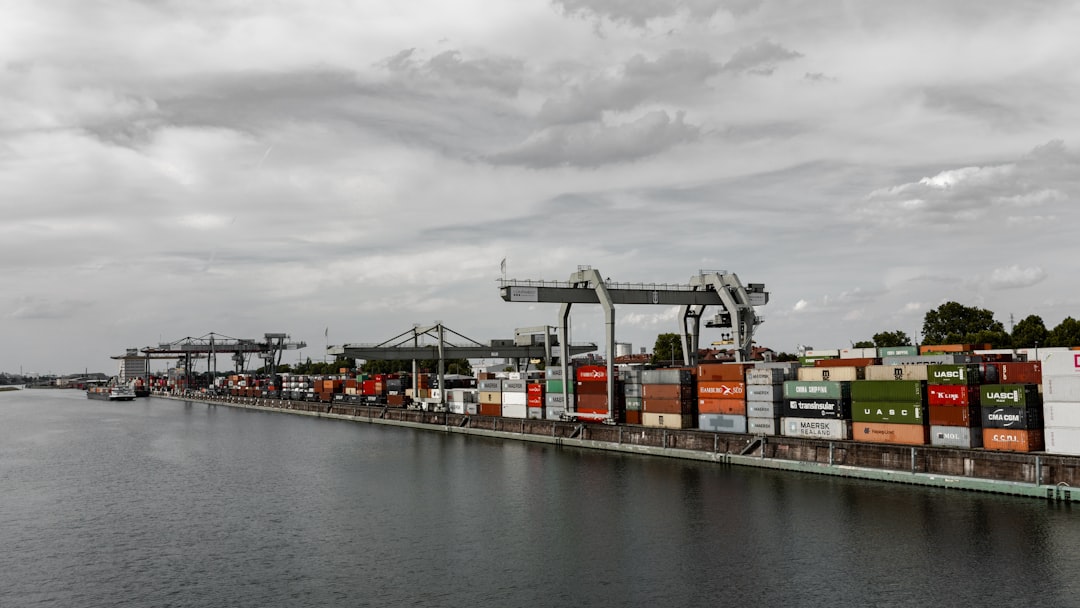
(1034, 475)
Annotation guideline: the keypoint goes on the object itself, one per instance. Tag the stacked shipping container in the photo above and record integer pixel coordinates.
(668, 398)
(889, 411)
(721, 397)
(1061, 397)
(953, 402)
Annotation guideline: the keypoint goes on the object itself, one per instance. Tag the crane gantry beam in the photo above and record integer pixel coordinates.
(707, 288)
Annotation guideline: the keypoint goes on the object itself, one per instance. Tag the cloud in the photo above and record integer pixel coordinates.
(37, 308)
(759, 58)
(676, 76)
(1045, 179)
(595, 145)
(640, 12)
(1012, 277)
(502, 75)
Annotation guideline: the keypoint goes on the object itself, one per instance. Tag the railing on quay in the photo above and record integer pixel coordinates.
(608, 284)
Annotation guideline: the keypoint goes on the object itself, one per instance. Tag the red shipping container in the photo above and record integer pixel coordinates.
(591, 388)
(490, 409)
(721, 390)
(665, 406)
(863, 362)
(950, 415)
(722, 372)
(667, 391)
(952, 395)
(722, 406)
(535, 400)
(535, 389)
(592, 373)
(592, 402)
(368, 387)
(1026, 372)
(633, 417)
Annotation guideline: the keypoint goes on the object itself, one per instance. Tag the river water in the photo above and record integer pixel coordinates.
(169, 503)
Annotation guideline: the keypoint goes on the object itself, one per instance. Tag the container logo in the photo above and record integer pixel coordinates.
(1006, 437)
(1013, 395)
(999, 415)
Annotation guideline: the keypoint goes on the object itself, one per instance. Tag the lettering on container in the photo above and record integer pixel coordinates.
(802, 388)
(1001, 416)
(1007, 438)
(1013, 395)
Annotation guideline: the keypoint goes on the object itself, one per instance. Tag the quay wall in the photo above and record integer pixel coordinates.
(1051, 477)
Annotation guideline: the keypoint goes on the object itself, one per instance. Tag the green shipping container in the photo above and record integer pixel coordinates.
(556, 386)
(1010, 395)
(824, 389)
(809, 361)
(897, 351)
(889, 411)
(906, 391)
(964, 375)
(633, 403)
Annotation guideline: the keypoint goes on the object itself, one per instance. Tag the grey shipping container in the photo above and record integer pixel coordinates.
(723, 423)
(773, 393)
(955, 437)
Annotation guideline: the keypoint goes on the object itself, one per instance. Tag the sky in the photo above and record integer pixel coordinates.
(341, 171)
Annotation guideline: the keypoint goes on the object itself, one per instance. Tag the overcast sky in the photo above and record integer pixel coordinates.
(172, 168)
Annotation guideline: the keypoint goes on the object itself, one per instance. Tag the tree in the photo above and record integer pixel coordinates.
(891, 338)
(1067, 333)
(1029, 332)
(668, 349)
(954, 323)
(863, 344)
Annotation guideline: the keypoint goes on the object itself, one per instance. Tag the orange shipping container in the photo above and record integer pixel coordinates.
(490, 409)
(1009, 440)
(721, 390)
(633, 417)
(722, 406)
(902, 434)
(722, 372)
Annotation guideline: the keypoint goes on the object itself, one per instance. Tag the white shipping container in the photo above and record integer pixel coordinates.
(763, 409)
(823, 353)
(515, 399)
(858, 353)
(1061, 413)
(765, 376)
(553, 413)
(1062, 440)
(536, 413)
(833, 374)
(772, 393)
(1060, 362)
(514, 411)
(456, 407)
(817, 428)
(896, 372)
(955, 437)
(763, 426)
(1061, 388)
(556, 400)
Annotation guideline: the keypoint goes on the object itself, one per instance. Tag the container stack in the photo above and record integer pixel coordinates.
(554, 400)
(668, 398)
(817, 409)
(631, 382)
(489, 393)
(721, 397)
(591, 394)
(764, 400)
(889, 411)
(1061, 401)
(1012, 417)
(953, 400)
(515, 401)
(462, 401)
(535, 400)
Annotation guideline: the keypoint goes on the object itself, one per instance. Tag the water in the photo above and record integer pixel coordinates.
(167, 503)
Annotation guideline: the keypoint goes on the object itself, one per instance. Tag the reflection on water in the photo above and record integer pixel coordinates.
(160, 502)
